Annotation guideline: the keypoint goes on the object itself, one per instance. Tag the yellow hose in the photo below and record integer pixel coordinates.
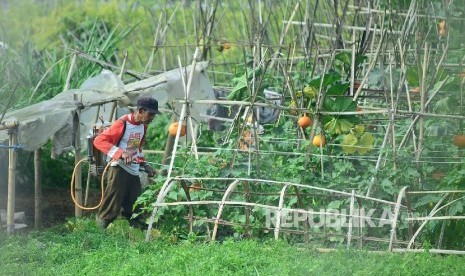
(102, 186)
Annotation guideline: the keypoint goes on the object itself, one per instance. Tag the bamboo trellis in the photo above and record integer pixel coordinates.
(320, 42)
(382, 45)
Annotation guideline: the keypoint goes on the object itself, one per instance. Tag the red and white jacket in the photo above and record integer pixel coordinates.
(130, 141)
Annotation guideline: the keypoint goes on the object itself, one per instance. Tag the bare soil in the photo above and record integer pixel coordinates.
(56, 205)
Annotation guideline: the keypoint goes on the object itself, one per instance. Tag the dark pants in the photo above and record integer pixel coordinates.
(119, 197)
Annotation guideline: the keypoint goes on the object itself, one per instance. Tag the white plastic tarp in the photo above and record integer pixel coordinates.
(58, 118)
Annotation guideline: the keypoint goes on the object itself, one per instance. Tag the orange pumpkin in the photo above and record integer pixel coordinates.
(304, 121)
(173, 129)
(227, 45)
(442, 28)
(459, 140)
(415, 90)
(195, 187)
(319, 140)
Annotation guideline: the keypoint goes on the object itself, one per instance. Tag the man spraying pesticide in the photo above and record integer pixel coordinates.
(122, 142)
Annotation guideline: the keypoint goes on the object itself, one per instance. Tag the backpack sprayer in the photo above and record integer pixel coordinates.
(97, 159)
(97, 163)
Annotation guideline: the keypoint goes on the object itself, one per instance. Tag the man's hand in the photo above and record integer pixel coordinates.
(150, 172)
(127, 158)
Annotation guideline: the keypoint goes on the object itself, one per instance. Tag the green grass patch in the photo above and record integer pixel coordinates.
(79, 247)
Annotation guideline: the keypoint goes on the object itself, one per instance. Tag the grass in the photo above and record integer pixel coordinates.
(80, 247)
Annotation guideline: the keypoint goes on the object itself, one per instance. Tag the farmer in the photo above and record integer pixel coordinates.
(122, 143)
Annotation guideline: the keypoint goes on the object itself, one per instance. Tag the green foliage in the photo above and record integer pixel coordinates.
(120, 251)
(103, 29)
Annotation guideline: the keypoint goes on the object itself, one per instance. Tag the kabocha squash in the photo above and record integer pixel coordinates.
(304, 122)
(442, 28)
(459, 140)
(173, 129)
(195, 187)
(319, 140)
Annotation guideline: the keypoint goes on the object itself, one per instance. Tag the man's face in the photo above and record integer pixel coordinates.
(145, 116)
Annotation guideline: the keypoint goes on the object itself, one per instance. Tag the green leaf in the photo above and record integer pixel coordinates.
(338, 126)
(241, 85)
(348, 143)
(426, 200)
(335, 204)
(330, 126)
(359, 130)
(412, 77)
(413, 173)
(344, 57)
(337, 88)
(329, 78)
(365, 143)
(344, 104)
(345, 125)
(456, 208)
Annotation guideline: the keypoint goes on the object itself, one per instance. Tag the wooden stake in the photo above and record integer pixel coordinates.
(78, 178)
(37, 189)
(12, 155)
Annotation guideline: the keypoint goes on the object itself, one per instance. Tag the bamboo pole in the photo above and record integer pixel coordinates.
(183, 112)
(436, 192)
(77, 155)
(12, 160)
(421, 135)
(269, 207)
(360, 225)
(396, 216)
(301, 206)
(8, 125)
(37, 189)
(190, 124)
(167, 185)
(334, 26)
(274, 182)
(8, 103)
(191, 210)
(372, 64)
(278, 213)
(283, 35)
(319, 107)
(70, 72)
(343, 113)
(393, 109)
(436, 218)
(226, 195)
(418, 114)
(351, 213)
(250, 111)
(248, 210)
(380, 156)
(433, 250)
(121, 73)
(435, 209)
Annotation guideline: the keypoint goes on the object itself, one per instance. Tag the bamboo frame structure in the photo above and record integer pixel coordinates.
(318, 41)
(12, 162)
(279, 209)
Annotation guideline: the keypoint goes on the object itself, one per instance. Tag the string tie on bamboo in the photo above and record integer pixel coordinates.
(14, 147)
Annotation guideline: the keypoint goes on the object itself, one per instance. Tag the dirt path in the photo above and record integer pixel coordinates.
(57, 205)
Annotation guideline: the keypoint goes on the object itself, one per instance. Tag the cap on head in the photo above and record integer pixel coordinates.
(149, 104)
